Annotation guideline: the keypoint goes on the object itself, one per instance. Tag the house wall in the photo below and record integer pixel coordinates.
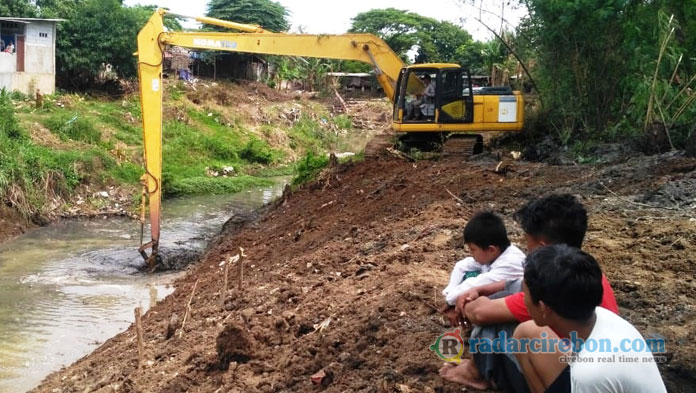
(40, 52)
(8, 62)
(39, 61)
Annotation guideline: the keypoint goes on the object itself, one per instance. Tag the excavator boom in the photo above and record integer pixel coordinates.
(152, 41)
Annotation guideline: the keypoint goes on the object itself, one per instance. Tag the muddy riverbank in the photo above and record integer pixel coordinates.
(67, 287)
(342, 276)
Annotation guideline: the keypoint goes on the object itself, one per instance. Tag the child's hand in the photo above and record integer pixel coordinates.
(466, 297)
(446, 307)
(452, 316)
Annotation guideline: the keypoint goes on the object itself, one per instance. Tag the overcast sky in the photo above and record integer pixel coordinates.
(333, 17)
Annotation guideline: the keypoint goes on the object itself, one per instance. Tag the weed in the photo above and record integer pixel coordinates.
(343, 122)
(309, 167)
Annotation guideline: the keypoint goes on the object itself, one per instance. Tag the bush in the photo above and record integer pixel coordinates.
(257, 151)
(309, 167)
(8, 122)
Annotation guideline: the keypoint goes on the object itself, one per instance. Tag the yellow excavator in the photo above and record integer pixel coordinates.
(432, 103)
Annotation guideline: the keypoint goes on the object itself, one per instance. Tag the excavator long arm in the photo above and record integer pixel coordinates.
(152, 40)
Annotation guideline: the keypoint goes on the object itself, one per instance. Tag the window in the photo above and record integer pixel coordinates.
(43, 35)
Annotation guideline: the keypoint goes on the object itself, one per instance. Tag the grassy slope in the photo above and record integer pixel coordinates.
(75, 145)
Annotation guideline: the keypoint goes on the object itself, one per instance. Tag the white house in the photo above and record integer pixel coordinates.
(28, 54)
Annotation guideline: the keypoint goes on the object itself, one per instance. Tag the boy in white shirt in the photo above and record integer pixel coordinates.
(563, 289)
(492, 259)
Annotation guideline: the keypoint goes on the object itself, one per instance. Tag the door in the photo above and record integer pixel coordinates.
(454, 99)
(399, 97)
(20, 53)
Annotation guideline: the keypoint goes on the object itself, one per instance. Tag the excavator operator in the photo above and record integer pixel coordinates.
(423, 104)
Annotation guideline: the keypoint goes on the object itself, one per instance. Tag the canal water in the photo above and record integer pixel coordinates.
(68, 287)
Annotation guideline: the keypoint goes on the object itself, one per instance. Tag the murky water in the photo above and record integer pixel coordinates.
(66, 288)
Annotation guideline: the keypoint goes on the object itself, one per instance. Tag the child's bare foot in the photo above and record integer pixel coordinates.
(464, 374)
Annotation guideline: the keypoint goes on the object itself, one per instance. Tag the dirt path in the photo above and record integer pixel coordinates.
(343, 274)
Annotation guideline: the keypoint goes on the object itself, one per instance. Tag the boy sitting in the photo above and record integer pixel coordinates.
(563, 290)
(500, 307)
(492, 259)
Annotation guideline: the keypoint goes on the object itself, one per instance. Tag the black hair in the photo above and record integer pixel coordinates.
(426, 76)
(486, 229)
(566, 279)
(560, 218)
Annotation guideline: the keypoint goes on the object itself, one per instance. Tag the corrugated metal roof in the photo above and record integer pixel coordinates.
(357, 74)
(29, 20)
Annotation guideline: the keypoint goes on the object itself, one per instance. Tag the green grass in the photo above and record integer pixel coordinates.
(30, 174)
(309, 133)
(74, 127)
(214, 185)
(286, 170)
(101, 142)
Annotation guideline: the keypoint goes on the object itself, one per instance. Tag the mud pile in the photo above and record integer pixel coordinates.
(342, 280)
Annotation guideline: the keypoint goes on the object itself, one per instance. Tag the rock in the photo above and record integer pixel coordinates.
(655, 139)
(172, 325)
(373, 323)
(325, 376)
(318, 377)
(691, 144)
(247, 313)
(678, 245)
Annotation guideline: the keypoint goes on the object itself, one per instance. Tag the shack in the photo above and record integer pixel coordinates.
(28, 54)
(354, 80)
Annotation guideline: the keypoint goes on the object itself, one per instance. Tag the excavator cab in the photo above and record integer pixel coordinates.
(437, 109)
(433, 93)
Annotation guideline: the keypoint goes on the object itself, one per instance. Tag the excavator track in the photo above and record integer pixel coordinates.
(462, 145)
(378, 145)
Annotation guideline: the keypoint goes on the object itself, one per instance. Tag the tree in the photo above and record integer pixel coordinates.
(95, 33)
(439, 41)
(403, 31)
(398, 28)
(18, 9)
(472, 56)
(267, 13)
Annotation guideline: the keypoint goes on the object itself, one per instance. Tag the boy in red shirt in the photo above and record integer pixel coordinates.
(500, 307)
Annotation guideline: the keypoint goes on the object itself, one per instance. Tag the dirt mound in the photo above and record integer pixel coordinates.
(12, 223)
(233, 345)
(229, 93)
(343, 278)
(676, 193)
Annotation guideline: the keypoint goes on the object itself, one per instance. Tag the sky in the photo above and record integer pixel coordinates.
(333, 17)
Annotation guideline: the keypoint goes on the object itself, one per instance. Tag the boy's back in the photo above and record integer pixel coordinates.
(611, 369)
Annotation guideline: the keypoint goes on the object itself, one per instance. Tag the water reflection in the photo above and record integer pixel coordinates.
(66, 288)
